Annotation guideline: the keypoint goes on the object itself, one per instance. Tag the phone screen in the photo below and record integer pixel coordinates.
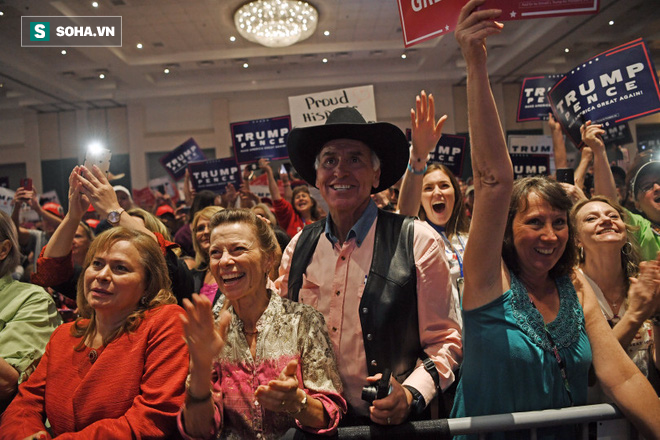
(101, 159)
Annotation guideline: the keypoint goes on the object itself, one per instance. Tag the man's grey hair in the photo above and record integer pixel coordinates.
(375, 160)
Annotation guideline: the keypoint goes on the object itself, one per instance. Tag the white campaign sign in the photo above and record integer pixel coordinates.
(314, 108)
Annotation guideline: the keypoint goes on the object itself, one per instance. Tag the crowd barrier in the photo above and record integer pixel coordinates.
(602, 421)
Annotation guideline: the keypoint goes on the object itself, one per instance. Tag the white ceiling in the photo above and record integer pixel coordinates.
(364, 46)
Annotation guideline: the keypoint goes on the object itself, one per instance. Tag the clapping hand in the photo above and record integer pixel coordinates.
(281, 394)
(204, 336)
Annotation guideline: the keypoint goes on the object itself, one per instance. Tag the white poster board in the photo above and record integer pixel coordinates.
(314, 108)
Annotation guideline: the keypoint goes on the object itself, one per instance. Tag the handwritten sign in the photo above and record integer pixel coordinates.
(175, 162)
(422, 20)
(533, 104)
(260, 138)
(449, 151)
(314, 108)
(215, 174)
(615, 86)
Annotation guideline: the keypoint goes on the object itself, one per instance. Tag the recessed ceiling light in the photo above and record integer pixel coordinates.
(102, 75)
(246, 65)
(166, 71)
(232, 38)
(139, 45)
(611, 23)
(95, 4)
(326, 33)
(63, 52)
(325, 60)
(1, 13)
(404, 56)
(567, 50)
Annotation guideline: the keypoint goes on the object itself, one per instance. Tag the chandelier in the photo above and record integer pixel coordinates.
(276, 23)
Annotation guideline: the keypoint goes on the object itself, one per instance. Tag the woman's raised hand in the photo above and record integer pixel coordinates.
(592, 136)
(78, 202)
(473, 27)
(205, 336)
(644, 290)
(425, 130)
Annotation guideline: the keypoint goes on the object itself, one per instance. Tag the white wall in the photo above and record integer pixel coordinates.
(159, 125)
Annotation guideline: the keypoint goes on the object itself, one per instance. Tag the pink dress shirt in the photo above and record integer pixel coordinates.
(334, 283)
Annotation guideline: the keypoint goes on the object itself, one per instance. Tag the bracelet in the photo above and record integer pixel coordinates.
(191, 398)
(418, 173)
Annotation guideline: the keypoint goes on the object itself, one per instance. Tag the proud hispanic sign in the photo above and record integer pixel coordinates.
(214, 174)
(260, 138)
(422, 20)
(533, 104)
(314, 108)
(175, 162)
(450, 151)
(615, 86)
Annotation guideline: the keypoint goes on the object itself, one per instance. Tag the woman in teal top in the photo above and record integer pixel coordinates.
(532, 324)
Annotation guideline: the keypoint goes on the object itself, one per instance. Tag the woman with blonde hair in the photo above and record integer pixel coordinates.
(205, 284)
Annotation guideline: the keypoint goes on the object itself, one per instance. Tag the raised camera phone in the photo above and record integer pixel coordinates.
(100, 158)
(379, 390)
(26, 183)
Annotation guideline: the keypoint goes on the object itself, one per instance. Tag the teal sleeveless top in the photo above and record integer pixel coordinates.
(508, 359)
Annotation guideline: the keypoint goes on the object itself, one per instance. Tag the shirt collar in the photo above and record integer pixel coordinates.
(359, 229)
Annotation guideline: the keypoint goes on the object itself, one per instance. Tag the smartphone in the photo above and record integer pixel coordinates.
(565, 175)
(100, 158)
(26, 183)
(283, 169)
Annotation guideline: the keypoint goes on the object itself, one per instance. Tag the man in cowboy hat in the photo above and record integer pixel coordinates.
(380, 279)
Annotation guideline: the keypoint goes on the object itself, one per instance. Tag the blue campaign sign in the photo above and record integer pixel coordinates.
(533, 104)
(525, 165)
(260, 138)
(214, 174)
(449, 151)
(175, 162)
(615, 86)
(618, 134)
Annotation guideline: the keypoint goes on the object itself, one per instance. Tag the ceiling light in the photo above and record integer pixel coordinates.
(63, 52)
(166, 71)
(139, 45)
(325, 60)
(276, 23)
(232, 38)
(1, 13)
(102, 75)
(326, 33)
(95, 4)
(246, 65)
(404, 56)
(567, 50)
(611, 23)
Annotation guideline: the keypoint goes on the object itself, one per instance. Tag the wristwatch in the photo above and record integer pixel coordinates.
(418, 403)
(114, 216)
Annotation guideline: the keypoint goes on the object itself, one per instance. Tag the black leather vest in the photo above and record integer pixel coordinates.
(388, 309)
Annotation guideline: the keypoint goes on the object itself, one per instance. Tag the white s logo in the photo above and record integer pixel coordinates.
(39, 31)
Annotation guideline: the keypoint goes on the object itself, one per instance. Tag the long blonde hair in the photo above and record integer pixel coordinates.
(157, 283)
(201, 256)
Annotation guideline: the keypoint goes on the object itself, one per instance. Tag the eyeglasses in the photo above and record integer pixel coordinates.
(648, 185)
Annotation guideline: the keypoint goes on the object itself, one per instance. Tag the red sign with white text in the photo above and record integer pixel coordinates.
(422, 20)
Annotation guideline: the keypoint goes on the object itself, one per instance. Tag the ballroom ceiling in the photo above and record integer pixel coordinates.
(191, 38)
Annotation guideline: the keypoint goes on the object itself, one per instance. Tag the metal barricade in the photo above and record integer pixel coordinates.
(607, 422)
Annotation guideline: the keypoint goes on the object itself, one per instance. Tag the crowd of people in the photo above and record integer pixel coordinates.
(416, 295)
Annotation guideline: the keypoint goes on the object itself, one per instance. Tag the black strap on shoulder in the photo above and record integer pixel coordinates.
(302, 255)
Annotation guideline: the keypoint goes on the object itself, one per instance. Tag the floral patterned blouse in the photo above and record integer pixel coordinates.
(286, 331)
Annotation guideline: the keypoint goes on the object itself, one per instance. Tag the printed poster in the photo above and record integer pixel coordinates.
(526, 165)
(533, 104)
(616, 86)
(175, 162)
(450, 151)
(535, 145)
(260, 138)
(215, 174)
(422, 20)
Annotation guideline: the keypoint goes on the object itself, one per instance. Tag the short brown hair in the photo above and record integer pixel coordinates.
(552, 192)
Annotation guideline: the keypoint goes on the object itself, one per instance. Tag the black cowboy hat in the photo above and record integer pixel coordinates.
(386, 140)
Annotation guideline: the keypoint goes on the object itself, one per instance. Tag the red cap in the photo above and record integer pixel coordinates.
(164, 209)
(54, 209)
